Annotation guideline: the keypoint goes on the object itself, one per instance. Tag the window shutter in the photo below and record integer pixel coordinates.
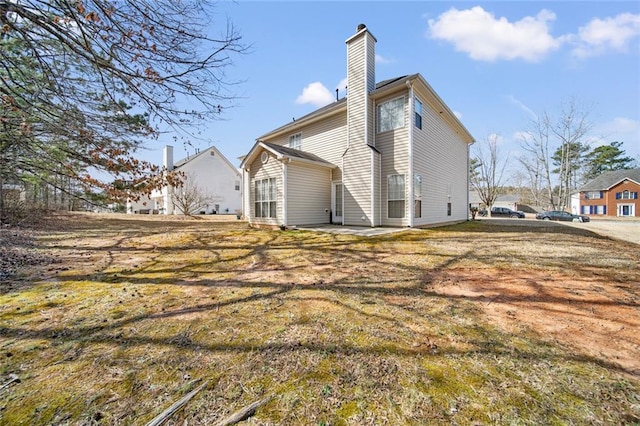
(618, 195)
(635, 195)
(604, 209)
(601, 194)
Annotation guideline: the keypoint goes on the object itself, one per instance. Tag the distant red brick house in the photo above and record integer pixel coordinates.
(612, 194)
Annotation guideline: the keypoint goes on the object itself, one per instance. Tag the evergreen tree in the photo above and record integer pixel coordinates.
(606, 158)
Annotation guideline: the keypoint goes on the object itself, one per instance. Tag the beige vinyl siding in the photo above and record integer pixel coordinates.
(440, 156)
(394, 147)
(357, 161)
(377, 187)
(327, 139)
(357, 185)
(308, 195)
(273, 169)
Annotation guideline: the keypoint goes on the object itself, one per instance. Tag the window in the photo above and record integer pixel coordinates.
(417, 107)
(417, 196)
(391, 115)
(626, 195)
(237, 185)
(593, 195)
(295, 141)
(265, 197)
(395, 196)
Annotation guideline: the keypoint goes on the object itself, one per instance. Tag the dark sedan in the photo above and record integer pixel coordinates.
(562, 216)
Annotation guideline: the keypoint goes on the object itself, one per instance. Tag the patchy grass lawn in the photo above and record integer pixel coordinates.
(469, 324)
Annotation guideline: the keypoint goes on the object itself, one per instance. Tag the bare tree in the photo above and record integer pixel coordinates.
(558, 142)
(189, 198)
(487, 170)
(83, 84)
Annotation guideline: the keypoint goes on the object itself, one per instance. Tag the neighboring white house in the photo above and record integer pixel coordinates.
(215, 177)
(389, 154)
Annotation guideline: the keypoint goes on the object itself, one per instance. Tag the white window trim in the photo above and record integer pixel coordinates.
(266, 198)
(295, 141)
(381, 105)
(403, 199)
(415, 110)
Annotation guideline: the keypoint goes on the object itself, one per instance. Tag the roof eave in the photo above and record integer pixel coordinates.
(313, 117)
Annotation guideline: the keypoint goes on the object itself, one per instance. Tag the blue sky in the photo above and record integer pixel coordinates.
(495, 64)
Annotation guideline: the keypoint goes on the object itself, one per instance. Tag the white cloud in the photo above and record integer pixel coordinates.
(495, 138)
(487, 38)
(342, 84)
(609, 34)
(315, 94)
(382, 60)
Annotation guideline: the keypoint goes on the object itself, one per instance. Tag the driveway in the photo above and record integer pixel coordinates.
(620, 229)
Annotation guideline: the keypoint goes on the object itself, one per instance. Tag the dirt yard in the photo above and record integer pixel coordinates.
(109, 319)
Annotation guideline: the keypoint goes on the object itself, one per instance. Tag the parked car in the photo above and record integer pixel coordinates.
(562, 216)
(505, 212)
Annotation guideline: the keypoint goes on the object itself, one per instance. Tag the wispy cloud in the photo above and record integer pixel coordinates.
(382, 60)
(600, 36)
(620, 129)
(522, 106)
(486, 37)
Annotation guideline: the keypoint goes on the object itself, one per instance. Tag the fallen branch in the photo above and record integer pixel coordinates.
(162, 417)
(243, 413)
(12, 378)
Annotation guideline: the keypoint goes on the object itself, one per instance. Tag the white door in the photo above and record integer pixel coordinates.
(336, 203)
(626, 210)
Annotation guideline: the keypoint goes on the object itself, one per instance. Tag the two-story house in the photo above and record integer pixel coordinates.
(389, 154)
(215, 183)
(612, 193)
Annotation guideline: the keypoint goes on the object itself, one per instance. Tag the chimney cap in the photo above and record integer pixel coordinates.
(361, 27)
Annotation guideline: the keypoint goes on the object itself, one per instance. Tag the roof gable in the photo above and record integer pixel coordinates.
(610, 179)
(207, 151)
(382, 88)
(282, 152)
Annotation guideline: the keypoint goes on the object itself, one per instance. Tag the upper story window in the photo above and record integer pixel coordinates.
(593, 195)
(237, 185)
(626, 195)
(295, 141)
(391, 115)
(417, 107)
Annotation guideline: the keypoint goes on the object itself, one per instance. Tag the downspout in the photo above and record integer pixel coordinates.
(468, 180)
(284, 192)
(380, 186)
(373, 189)
(410, 177)
(343, 210)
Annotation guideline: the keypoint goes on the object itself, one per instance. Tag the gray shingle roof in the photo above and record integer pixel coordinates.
(608, 179)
